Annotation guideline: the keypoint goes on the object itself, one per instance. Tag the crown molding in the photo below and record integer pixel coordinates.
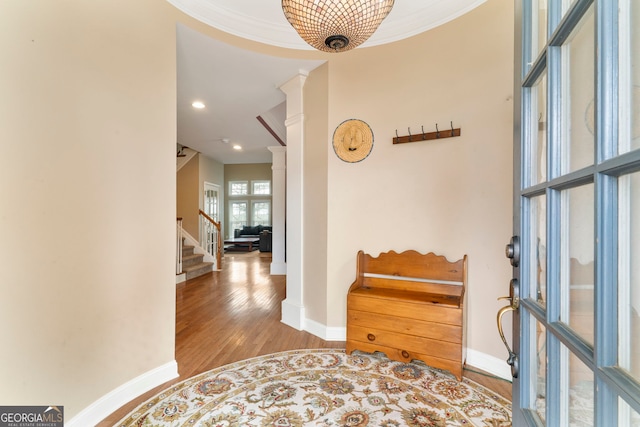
(248, 26)
(265, 23)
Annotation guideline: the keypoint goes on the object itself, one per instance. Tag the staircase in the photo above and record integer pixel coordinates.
(193, 264)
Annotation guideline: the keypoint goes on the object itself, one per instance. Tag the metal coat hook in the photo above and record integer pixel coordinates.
(424, 136)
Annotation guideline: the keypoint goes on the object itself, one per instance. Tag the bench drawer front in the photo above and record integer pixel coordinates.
(417, 311)
(421, 328)
(410, 344)
(452, 366)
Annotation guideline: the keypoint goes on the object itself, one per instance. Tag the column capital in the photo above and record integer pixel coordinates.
(295, 83)
(277, 149)
(293, 89)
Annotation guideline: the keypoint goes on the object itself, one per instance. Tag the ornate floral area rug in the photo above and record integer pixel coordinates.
(323, 388)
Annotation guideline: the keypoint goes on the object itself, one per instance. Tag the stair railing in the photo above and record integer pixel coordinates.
(179, 246)
(211, 237)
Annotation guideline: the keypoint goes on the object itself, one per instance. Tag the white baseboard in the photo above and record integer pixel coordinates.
(293, 315)
(113, 400)
(490, 364)
(182, 277)
(278, 268)
(325, 332)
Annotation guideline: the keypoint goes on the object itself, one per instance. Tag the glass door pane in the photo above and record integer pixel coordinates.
(629, 274)
(540, 35)
(540, 383)
(578, 260)
(211, 202)
(578, 73)
(539, 122)
(538, 273)
(627, 416)
(635, 74)
(629, 93)
(581, 396)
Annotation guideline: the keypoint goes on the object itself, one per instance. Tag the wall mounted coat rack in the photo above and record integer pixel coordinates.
(438, 134)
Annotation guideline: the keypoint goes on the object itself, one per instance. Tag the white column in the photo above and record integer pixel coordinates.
(293, 313)
(278, 209)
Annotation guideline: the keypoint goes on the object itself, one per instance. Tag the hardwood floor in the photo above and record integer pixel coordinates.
(234, 314)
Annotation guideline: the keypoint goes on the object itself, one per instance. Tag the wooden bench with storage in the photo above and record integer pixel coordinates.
(409, 306)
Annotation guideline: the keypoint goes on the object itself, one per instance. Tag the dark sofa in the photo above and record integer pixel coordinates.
(263, 232)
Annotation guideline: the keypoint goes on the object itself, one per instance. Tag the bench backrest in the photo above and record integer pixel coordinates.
(412, 268)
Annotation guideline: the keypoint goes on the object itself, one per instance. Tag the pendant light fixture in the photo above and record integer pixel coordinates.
(336, 25)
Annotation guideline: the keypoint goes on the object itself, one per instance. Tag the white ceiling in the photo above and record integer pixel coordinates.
(237, 85)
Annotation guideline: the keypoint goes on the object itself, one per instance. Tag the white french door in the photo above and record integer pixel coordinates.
(576, 255)
(211, 201)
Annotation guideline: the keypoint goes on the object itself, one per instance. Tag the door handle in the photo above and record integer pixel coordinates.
(514, 294)
(514, 299)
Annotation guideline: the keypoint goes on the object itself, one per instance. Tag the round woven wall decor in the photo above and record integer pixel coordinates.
(352, 140)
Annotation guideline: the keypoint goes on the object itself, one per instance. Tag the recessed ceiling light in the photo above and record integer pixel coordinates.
(237, 147)
(198, 104)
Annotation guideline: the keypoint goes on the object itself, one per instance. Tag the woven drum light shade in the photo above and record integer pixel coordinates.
(352, 140)
(336, 25)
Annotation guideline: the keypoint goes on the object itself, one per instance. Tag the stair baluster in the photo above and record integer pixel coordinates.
(211, 237)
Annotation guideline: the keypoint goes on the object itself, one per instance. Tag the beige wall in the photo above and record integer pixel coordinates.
(87, 188)
(450, 196)
(211, 171)
(245, 172)
(187, 195)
